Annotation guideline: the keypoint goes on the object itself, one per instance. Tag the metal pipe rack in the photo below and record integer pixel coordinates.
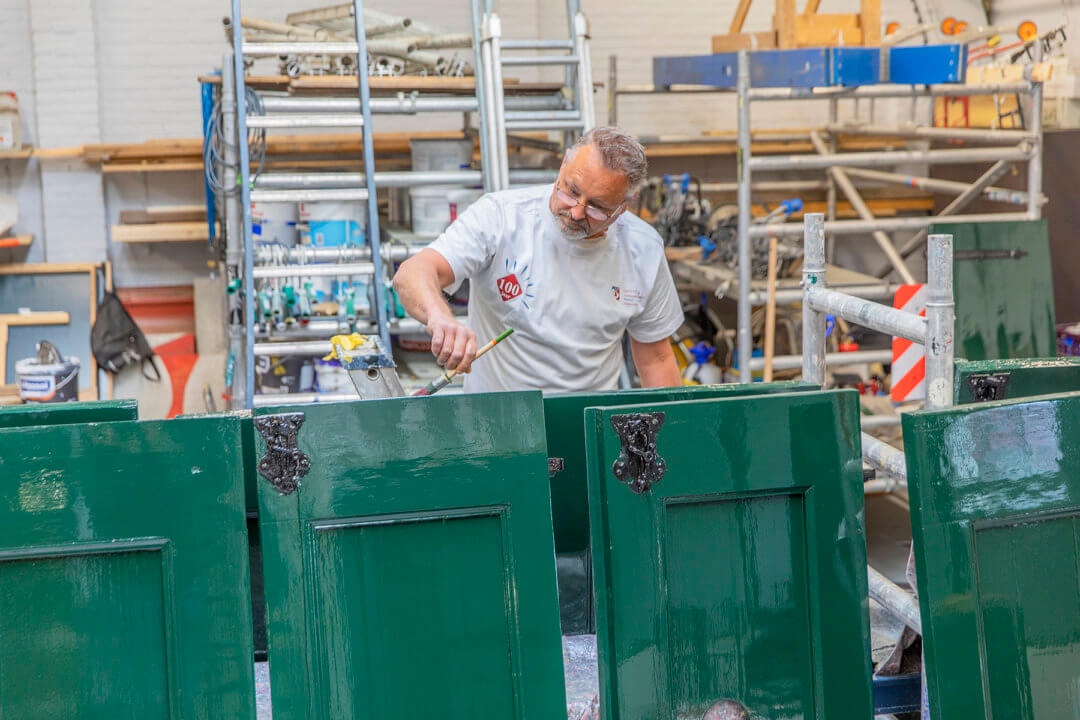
(935, 333)
(273, 111)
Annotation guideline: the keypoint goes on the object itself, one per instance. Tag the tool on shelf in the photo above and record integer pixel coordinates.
(438, 384)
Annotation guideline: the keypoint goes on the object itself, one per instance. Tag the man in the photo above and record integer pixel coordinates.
(563, 265)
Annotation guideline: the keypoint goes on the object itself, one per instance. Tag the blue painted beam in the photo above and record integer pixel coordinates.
(927, 64)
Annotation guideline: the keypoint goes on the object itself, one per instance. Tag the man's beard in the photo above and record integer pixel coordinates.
(571, 229)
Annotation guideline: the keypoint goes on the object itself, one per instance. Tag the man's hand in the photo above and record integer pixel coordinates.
(452, 344)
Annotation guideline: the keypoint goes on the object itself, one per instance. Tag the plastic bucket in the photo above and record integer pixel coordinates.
(461, 199)
(274, 223)
(430, 209)
(440, 154)
(48, 383)
(333, 224)
(330, 377)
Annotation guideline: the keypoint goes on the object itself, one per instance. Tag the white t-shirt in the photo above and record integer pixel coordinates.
(568, 302)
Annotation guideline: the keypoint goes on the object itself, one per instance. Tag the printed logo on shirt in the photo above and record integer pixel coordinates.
(517, 283)
(626, 296)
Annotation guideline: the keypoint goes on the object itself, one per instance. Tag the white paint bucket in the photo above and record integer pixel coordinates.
(48, 383)
(440, 154)
(274, 223)
(460, 199)
(330, 377)
(430, 209)
(333, 224)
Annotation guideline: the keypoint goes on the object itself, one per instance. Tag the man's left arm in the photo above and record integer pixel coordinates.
(655, 363)
(651, 329)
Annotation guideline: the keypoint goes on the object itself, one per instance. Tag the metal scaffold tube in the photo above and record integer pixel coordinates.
(1035, 166)
(745, 337)
(858, 357)
(899, 602)
(389, 179)
(881, 291)
(884, 457)
(313, 270)
(886, 157)
(987, 192)
(934, 133)
(586, 102)
(940, 319)
(403, 104)
(862, 227)
(887, 91)
(868, 314)
(813, 276)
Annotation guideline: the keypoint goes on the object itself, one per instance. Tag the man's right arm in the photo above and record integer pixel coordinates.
(419, 283)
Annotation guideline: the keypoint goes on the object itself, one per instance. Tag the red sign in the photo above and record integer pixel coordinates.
(509, 287)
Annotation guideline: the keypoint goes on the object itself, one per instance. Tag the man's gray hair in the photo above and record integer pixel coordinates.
(621, 151)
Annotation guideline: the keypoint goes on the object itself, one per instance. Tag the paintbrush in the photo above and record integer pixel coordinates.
(438, 384)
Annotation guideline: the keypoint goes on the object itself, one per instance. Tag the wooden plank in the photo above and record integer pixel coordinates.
(744, 41)
(811, 7)
(163, 214)
(827, 30)
(784, 22)
(161, 232)
(17, 154)
(870, 21)
(49, 317)
(47, 268)
(175, 166)
(740, 17)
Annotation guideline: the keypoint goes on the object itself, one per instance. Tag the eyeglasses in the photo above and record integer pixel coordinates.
(592, 212)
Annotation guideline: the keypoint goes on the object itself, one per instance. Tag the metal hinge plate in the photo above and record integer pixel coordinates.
(989, 386)
(284, 464)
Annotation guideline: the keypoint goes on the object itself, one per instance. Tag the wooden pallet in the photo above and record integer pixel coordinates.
(808, 29)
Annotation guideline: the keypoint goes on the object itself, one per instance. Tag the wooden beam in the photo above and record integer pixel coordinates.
(163, 214)
(161, 232)
(740, 17)
(870, 21)
(827, 30)
(811, 7)
(785, 24)
(47, 268)
(51, 317)
(744, 41)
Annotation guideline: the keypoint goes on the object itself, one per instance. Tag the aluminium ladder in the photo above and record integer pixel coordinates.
(496, 119)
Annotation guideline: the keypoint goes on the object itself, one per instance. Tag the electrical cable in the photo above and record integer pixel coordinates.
(215, 145)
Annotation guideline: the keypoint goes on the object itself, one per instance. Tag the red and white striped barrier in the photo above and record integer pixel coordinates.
(908, 358)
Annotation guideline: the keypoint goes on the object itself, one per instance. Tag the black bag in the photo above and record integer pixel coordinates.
(117, 341)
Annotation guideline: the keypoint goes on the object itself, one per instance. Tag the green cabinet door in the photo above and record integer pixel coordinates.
(68, 413)
(995, 510)
(983, 380)
(564, 417)
(123, 572)
(412, 573)
(730, 558)
(1004, 289)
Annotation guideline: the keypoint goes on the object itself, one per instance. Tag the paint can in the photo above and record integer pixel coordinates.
(333, 224)
(430, 208)
(48, 378)
(440, 153)
(330, 377)
(274, 223)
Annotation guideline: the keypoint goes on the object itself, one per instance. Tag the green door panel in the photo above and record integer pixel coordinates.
(1025, 377)
(412, 574)
(995, 509)
(123, 572)
(1004, 306)
(68, 413)
(564, 423)
(740, 574)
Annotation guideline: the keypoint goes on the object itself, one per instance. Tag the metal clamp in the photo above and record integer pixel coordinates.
(284, 464)
(638, 465)
(988, 387)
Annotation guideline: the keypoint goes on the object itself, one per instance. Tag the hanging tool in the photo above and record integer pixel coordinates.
(436, 385)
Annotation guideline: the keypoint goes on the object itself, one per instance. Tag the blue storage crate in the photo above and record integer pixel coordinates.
(927, 64)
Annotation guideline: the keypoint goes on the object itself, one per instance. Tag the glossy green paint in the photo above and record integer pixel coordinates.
(1004, 307)
(995, 509)
(67, 413)
(741, 574)
(1026, 377)
(123, 572)
(413, 574)
(564, 418)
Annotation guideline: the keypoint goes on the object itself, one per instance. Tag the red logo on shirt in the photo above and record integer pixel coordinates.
(615, 291)
(509, 287)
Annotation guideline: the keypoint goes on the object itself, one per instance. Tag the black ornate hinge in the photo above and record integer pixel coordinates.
(987, 387)
(283, 464)
(555, 465)
(726, 710)
(639, 465)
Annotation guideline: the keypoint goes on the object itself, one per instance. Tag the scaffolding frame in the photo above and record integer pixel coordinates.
(497, 116)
